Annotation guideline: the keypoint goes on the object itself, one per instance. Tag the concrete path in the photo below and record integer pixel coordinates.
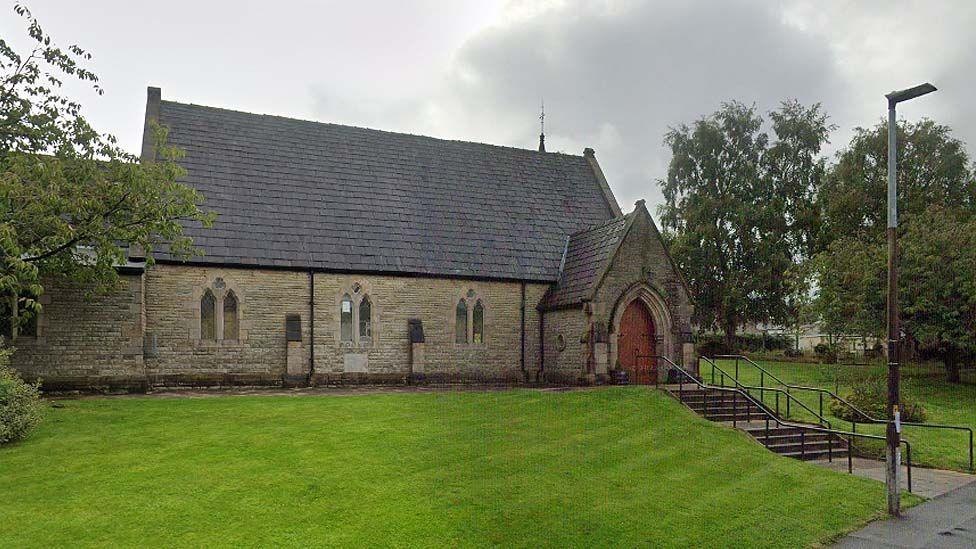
(946, 521)
(928, 483)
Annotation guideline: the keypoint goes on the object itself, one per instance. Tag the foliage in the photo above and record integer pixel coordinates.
(933, 169)
(715, 344)
(938, 302)
(70, 198)
(871, 397)
(938, 294)
(852, 279)
(827, 353)
(738, 209)
(937, 235)
(20, 402)
(415, 470)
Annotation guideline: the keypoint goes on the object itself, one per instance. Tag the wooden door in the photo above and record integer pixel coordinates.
(636, 343)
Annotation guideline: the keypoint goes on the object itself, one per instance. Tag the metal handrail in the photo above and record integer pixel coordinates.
(789, 397)
(867, 418)
(770, 416)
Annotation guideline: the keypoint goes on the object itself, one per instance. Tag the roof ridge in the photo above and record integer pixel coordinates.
(601, 225)
(375, 130)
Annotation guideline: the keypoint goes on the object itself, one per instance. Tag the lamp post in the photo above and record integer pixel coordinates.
(893, 431)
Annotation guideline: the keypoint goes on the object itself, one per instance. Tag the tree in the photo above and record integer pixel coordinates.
(939, 301)
(737, 212)
(71, 200)
(852, 278)
(933, 168)
(937, 206)
(937, 297)
(796, 170)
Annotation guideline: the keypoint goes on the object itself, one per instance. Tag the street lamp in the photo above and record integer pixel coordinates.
(893, 431)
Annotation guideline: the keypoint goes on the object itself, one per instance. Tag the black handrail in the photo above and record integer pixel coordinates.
(867, 418)
(770, 416)
(762, 390)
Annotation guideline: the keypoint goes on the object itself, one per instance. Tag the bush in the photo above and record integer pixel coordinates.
(792, 353)
(876, 351)
(871, 396)
(20, 402)
(714, 344)
(827, 353)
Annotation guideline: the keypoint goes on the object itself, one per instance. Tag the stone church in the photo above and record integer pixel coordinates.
(349, 255)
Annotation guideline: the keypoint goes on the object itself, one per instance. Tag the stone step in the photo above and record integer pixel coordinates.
(742, 409)
(796, 447)
(816, 454)
(794, 442)
(779, 438)
(778, 430)
(720, 403)
(714, 398)
(741, 416)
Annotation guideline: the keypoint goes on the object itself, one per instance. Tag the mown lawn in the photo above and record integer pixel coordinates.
(944, 402)
(619, 466)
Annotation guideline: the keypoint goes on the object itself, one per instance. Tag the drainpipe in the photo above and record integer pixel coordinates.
(525, 375)
(311, 325)
(542, 346)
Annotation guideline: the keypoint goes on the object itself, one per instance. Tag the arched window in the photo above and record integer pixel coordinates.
(365, 319)
(208, 328)
(345, 318)
(230, 316)
(478, 323)
(461, 323)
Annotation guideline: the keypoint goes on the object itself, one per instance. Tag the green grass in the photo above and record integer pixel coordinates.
(622, 466)
(944, 402)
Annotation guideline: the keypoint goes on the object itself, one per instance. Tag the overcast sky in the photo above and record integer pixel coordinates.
(614, 74)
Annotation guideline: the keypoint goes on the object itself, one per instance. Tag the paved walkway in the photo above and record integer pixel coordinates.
(928, 483)
(946, 521)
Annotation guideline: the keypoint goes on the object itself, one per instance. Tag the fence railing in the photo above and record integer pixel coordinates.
(864, 417)
(684, 377)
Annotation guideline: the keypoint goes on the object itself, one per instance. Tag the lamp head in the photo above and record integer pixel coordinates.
(911, 93)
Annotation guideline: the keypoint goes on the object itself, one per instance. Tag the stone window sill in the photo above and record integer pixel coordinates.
(355, 346)
(220, 343)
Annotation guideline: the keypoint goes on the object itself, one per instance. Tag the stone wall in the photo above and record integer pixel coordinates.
(386, 355)
(176, 354)
(566, 345)
(86, 341)
(101, 343)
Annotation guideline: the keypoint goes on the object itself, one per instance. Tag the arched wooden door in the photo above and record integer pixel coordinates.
(636, 343)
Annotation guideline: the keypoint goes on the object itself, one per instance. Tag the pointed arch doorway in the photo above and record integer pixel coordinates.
(636, 341)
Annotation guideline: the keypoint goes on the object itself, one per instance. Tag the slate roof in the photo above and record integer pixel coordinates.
(587, 254)
(300, 194)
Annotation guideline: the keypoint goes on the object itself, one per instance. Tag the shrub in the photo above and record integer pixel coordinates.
(714, 344)
(792, 353)
(20, 402)
(827, 353)
(871, 396)
(876, 351)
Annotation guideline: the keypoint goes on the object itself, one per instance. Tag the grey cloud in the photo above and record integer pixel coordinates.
(615, 78)
(633, 72)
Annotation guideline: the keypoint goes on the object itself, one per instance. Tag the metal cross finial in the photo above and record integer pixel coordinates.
(542, 117)
(542, 127)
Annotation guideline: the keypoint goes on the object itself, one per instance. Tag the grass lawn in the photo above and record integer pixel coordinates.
(946, 403)
(619, 466)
